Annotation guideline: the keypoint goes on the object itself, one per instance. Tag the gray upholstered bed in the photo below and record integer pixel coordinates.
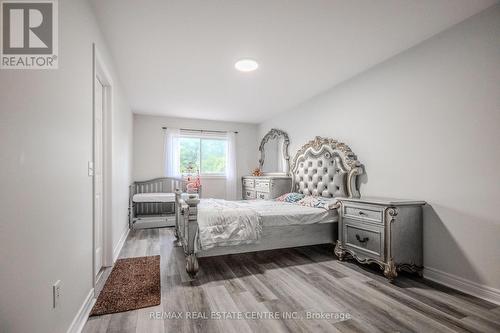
(322, 167)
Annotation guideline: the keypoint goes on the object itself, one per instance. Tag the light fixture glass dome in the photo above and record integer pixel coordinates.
(246, 65)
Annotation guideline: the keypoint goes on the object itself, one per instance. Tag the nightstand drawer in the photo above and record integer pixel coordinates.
(248, 183)
(372, 214)
(262, 195)
(249, 194)
(262, 185)
(364, 238)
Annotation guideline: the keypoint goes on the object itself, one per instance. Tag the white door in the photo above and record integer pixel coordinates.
(98, 175)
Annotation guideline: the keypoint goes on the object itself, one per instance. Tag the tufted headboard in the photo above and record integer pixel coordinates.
(326, 167)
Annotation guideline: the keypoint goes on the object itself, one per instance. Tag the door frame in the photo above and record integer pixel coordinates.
(100, 71)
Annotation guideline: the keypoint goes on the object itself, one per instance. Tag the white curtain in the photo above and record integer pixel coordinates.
(231, 182)
(172, 153)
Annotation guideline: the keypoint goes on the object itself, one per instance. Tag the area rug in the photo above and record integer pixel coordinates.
(134, 283)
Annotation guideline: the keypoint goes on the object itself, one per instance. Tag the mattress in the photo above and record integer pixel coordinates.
(154, 197)
(231, 223)
(277, 213)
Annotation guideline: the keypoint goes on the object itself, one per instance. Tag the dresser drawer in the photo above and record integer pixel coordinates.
(248, 183)
(364, 238)
(372, 214)
(263, 195)
(249, 194)
(262, 185)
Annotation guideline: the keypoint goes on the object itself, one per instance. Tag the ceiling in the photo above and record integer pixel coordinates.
(176, 57)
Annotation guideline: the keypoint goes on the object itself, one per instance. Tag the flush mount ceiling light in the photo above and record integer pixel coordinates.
(246, 65)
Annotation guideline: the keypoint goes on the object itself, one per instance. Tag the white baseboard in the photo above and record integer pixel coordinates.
(82, 314)
(121, 242)
(463, 285)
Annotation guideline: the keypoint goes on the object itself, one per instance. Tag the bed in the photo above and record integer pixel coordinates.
(323, 168)
(152, 202)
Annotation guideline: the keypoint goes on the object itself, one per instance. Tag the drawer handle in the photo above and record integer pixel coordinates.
(362, 240)
(361, 212)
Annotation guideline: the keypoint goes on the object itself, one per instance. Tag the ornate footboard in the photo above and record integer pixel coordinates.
(186, 228)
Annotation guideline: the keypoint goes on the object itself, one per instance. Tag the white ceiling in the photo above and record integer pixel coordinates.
(176, 57)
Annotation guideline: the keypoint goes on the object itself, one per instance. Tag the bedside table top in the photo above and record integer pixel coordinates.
(384, 201)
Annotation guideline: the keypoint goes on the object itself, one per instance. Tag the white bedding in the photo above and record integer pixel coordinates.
(278, 213)
(154, 197)
(224, 223)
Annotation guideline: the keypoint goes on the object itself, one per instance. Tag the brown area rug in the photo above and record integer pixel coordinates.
(134, 283)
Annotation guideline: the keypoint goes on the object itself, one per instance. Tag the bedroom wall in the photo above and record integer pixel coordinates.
(46, 194)
(426, 125)
(148, 148)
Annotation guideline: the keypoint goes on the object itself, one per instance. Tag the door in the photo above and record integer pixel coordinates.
(98, 176)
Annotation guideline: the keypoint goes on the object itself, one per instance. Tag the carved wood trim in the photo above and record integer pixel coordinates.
(361, 259)
(349, 158)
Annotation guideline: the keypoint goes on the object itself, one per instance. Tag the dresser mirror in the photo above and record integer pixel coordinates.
(274, 159)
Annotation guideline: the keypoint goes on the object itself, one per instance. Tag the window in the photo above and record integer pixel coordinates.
(204, 153)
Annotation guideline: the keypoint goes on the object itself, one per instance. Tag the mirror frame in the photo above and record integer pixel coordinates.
(275, 133)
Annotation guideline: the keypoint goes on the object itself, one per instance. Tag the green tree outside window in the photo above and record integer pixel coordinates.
(206, 155)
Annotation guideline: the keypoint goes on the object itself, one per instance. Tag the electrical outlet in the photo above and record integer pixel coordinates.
(56, 293)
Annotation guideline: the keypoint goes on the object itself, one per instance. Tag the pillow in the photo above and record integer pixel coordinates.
(318, 202)
(290, 197)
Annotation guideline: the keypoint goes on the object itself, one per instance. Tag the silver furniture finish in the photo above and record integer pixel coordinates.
(265, 187)
(153, 212)
(387, 232)
(275, 163)
(322, 166)
(274, 158)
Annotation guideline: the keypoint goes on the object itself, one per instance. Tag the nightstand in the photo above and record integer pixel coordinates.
(387, 232)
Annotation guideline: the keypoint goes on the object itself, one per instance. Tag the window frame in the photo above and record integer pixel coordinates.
(200, 137)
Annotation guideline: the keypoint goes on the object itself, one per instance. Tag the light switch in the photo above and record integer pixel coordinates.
(91, 168)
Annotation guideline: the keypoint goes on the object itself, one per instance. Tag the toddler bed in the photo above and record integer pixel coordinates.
(152, 202)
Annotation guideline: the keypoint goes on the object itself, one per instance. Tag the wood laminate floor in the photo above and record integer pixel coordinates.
(293, 282)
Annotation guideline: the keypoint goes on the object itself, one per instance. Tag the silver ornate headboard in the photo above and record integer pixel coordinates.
(326, 167)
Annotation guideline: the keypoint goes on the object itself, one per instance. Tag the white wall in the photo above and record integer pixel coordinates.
(148, 148)
(122, 149)
(45, 193)
(426, 124)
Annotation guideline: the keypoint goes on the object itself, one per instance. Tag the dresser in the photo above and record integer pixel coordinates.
(387, 232)
(265, 187)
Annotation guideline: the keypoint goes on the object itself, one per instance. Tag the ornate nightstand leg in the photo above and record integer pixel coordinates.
(339, 251)
(390, 271)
